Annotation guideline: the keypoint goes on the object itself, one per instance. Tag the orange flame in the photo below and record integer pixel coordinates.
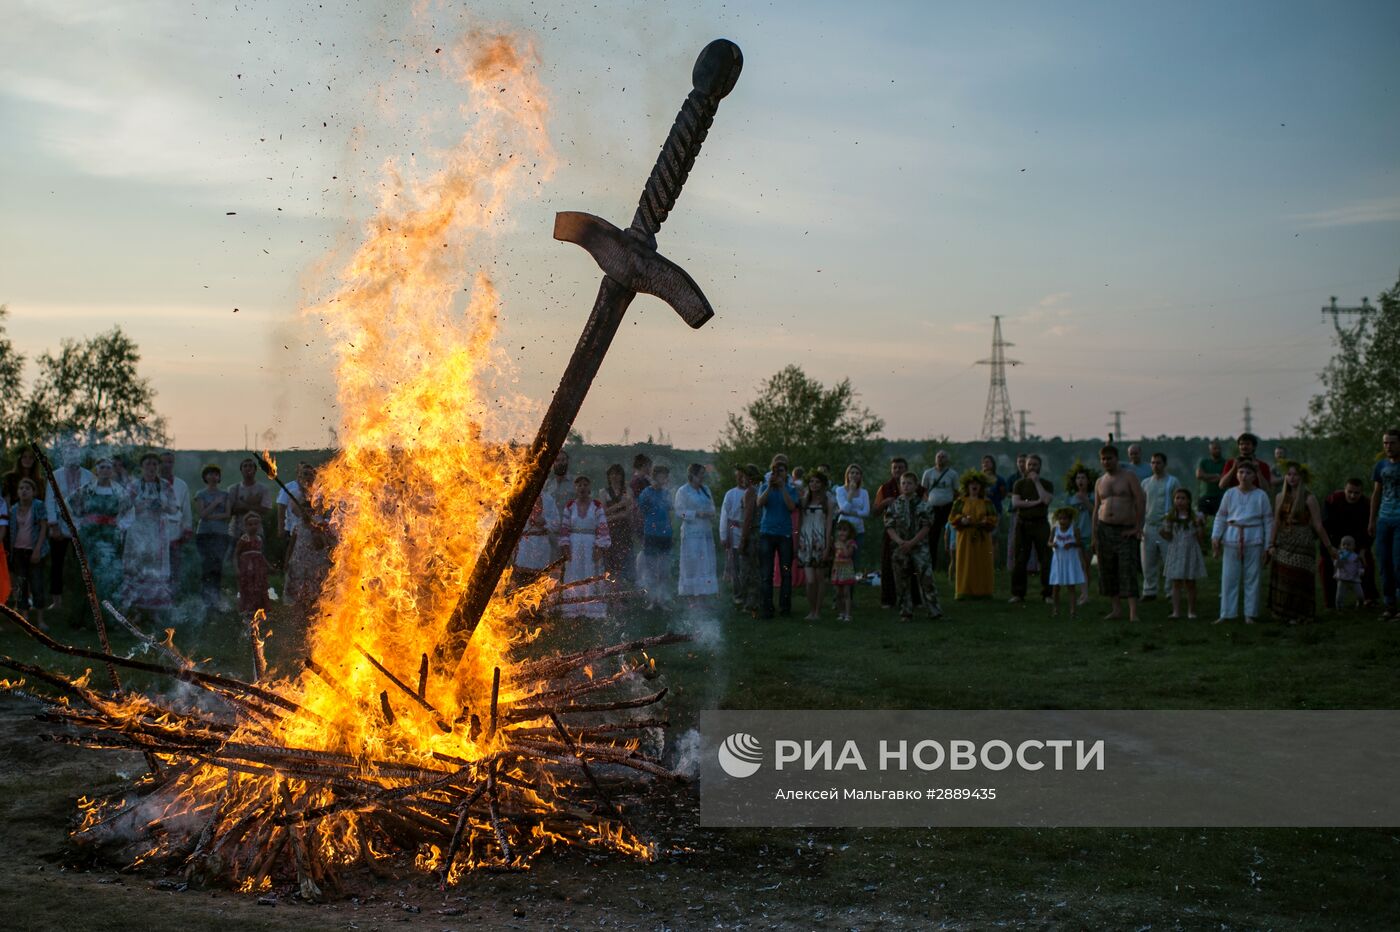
(407, 501)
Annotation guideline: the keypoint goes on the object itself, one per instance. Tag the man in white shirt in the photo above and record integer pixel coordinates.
(181, 527)
(1158, 489)
(731, 526)
(559, 489)
(1135, 464)
(70, 477)
(287, 518)
(941, 481)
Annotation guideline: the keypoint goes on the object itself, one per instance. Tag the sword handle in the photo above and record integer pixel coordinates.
(716, 71)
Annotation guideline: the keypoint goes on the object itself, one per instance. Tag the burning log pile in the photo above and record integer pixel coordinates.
(425, 719)
(279, 810)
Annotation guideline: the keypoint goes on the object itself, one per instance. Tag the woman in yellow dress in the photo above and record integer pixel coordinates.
(975, 521)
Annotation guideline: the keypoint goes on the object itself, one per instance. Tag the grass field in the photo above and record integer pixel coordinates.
(987, 655)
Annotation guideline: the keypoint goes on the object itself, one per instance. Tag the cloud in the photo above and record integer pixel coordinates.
(198, 114)
(1377, 210)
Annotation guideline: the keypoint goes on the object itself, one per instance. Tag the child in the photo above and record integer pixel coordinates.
(843, 568)
(1066, 569)
(29, 544)
(583, 536)
(1348, 571)
(252, 566)
(654, 565)
(1184, 530)
(908, 522)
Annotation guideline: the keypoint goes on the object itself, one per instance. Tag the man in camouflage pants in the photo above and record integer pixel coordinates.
(908, 522)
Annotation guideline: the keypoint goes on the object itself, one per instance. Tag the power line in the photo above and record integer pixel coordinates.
(1117, 424)
(1366, 308)
(1021, 418)
(996, 421)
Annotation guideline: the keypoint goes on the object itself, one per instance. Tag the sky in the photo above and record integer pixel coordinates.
(1156, 198)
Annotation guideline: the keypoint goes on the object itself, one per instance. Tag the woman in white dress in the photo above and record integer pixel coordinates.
(532, 553)
(696, 509)
(583, 536)
(150, 509)
(1242, 525)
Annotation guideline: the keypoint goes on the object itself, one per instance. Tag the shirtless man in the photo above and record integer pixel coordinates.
(1117, 529)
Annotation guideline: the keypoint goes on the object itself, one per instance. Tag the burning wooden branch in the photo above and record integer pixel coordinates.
(275, 806)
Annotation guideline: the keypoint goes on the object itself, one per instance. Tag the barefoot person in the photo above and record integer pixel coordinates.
(1242, 525)
(1118, 515)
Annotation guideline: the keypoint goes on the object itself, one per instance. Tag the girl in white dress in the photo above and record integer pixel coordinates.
(583, 536)
(1066, 568)
(696, 509)
(1184, 530)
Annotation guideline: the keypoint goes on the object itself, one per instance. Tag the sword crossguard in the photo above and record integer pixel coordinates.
(715, 73)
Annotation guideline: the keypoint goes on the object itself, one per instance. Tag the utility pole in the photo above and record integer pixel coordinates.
(1248, 418)
(996, 422)
(1365, 308)
(1117, 424)
(1021, 416)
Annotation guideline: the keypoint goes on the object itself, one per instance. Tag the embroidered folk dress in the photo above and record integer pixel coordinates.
(582, 527)
(97, 509)
(253, 569)
(1293, 572)
(153, 514)
(696, 510)
(532, 553)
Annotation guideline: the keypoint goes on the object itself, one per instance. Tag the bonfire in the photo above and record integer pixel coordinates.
(425, 719)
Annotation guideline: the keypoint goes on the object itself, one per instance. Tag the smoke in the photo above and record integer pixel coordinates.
(705, 687)
(686, 753)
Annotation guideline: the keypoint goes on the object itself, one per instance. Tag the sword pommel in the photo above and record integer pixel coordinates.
(717, 69)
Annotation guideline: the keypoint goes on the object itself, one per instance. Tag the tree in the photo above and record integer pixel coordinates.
(799, 416)
(1341, 432)
(90, 390)
(11, 368)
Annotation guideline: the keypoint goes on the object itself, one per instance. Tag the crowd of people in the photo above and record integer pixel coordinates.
(1140, 530)
(138, 528)
(777, 530)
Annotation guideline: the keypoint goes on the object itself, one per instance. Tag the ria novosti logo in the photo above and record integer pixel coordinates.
(740, 755)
